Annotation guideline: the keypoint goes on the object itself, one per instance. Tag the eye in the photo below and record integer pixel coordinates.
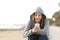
(39, 15)
(35, 15)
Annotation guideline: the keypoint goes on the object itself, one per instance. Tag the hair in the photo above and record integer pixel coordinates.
(42, 21)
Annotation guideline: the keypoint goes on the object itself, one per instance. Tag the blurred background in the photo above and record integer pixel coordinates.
(15, 14)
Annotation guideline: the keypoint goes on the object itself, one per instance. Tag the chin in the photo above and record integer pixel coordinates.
(37, 21)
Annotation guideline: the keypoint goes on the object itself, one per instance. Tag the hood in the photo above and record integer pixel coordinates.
(38, 9)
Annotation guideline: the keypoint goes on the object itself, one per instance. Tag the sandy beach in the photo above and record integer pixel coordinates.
(17, 34)
(11, 35)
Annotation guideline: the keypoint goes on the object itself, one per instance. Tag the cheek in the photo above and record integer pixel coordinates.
(40, 18)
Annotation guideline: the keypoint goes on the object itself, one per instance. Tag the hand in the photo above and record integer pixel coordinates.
(35, 29)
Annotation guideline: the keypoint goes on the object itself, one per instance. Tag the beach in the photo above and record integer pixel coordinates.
(17, 34)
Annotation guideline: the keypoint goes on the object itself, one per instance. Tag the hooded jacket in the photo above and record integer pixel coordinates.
(45, 31)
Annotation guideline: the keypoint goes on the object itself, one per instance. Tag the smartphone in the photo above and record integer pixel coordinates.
(37, 25)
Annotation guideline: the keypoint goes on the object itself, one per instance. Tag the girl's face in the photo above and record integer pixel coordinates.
(37, 17)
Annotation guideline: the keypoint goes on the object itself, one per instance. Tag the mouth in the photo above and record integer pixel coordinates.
(37, 19)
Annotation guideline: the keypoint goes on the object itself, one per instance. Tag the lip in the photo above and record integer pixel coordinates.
(37, 19)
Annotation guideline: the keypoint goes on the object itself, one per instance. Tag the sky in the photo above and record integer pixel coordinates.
(19, 11)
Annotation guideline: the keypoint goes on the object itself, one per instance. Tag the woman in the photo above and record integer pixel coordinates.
(34, 32)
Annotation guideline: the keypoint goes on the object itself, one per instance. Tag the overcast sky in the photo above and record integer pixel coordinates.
(19, 11)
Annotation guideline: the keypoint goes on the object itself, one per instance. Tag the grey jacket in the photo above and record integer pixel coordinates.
(27, 32)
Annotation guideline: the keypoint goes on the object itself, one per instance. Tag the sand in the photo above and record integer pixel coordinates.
(17, 34)
(11, 35)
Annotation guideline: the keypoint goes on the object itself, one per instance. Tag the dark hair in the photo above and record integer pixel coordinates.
(42, 21)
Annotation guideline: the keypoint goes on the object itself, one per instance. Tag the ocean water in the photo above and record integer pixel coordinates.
(11, 26)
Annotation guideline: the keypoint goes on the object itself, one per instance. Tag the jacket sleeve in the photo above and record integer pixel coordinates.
(27, 31)
(45, 31)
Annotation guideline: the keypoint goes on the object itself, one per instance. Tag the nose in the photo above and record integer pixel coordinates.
(37, 16)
